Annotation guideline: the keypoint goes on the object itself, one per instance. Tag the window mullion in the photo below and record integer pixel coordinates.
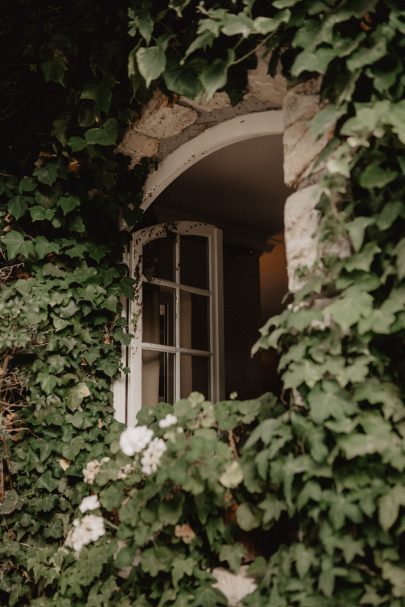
(177, 320)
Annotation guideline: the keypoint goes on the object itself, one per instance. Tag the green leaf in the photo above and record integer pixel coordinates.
(9, 503)
(396, 576)
(202, 41)
(347, 310)
(39, 213)
(68, 203)
(214, 76)
(17, 206)
(77, 144)
(313, 61)
(365, 56)
(16, 245)
(266, 25)
(54, 70)
(232, 554)
(245, 518)
(356, 229)
(234, 25)
(171, 509)
(105, 135)
(376, 176)
(47, 173)
(388, 506)
(100, 93)
(151, 62)
(183, 80)
(180, 568)
(325, 119)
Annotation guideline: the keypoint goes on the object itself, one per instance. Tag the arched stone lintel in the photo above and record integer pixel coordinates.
(226, 133)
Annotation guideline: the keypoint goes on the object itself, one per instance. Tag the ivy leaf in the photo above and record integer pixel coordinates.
(151, 62)
(100, 93)
(54, 70)
(245, 518)
(27, 184)
(43, 247)
(105, 135)
(376, 176)
(9, 503)
(170, 510)
(77, 144)
(325, 119)
(47, 382)
(183, 80)
(356, 229)
(39, 213)
(214, 76)
(232, 554)
(16, 245)
(313, 61)
(233, 25)
(17, 206)
(47, 173)
(179, 6)
(266, 25)
(68, 203)
(347, 310)
(202, 41)
(388, 506)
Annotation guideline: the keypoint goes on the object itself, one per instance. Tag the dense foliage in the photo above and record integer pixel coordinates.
(328, 467)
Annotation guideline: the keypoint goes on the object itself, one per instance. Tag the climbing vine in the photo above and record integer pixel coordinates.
(326, 470)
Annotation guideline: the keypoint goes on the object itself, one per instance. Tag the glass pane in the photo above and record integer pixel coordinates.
(194, 261)
(194, 321)
(157, 378)
(194, 375)
(159, 258)
(158, 310)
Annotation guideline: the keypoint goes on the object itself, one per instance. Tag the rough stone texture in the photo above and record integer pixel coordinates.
(264, 87)
(161, 120)
(301, 221)
(300, 148)
(172, 124)
(218, 102)
(138, 146)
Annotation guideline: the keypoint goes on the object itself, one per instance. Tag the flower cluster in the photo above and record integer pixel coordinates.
(140, 439)
(92, 469)
(134, 440)
(86, 530)
(169, 420)
(89, 503)
(151, 456)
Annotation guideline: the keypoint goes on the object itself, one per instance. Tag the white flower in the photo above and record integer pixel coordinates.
(134, 440)
(168, 421)
(89, 503)
(89, 529)
(92, 469)
(151, 456)
(125, 471)
(234, 587)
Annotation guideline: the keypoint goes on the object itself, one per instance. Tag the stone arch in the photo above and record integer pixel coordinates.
(177, 133)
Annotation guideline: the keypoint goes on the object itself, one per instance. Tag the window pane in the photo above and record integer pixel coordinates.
(157, 377)
(158, 309)
(194, 261)
(158, 258)
(194, 375)
(194, 321)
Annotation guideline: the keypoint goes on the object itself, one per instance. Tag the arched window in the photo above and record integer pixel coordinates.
(176, 317)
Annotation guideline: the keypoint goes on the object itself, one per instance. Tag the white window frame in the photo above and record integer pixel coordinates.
(128, 389)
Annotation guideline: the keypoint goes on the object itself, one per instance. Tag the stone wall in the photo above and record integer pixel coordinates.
(165, 125)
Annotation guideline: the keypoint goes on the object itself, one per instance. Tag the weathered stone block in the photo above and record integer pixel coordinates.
(301, 221)
(138, 146)
(161, 120)
(301, 150)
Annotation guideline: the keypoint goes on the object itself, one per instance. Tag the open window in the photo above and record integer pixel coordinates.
(176, 315)
(209, 272)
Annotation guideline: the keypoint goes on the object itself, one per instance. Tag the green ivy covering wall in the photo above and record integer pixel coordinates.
(326, 471)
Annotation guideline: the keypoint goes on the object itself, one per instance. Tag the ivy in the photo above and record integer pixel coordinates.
(320, 475)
